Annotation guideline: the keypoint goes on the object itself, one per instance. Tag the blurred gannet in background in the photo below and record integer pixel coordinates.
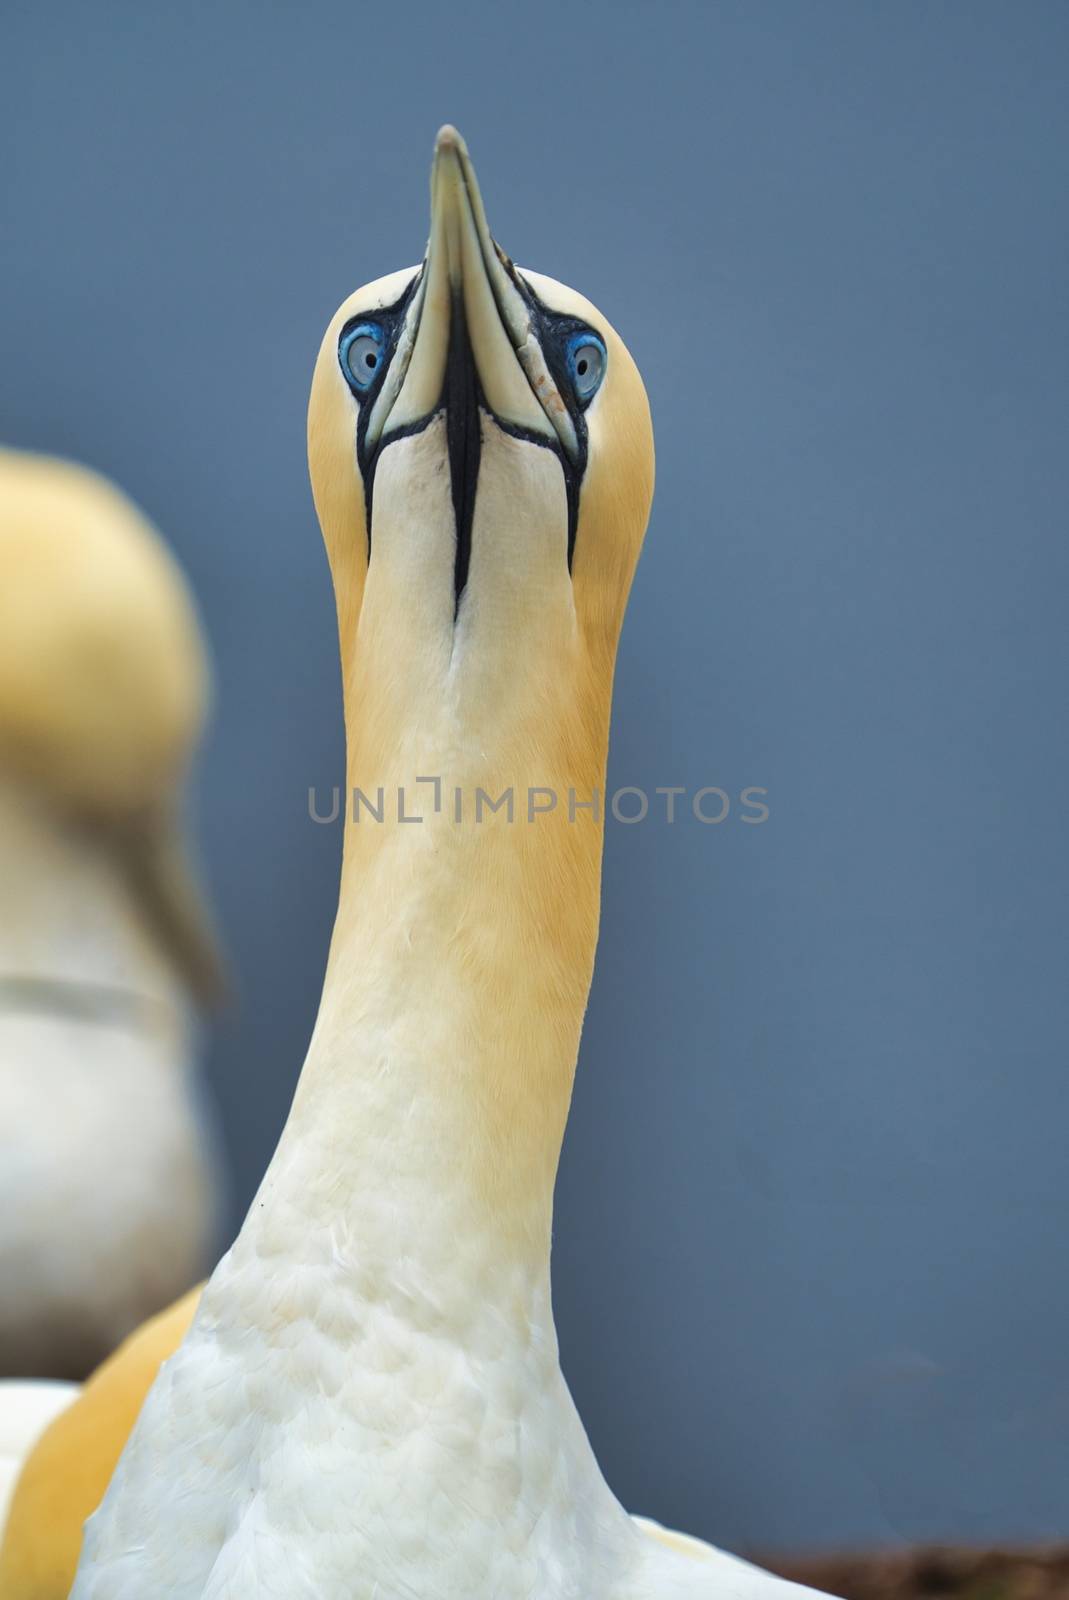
(107, 1189)
(368, 1402)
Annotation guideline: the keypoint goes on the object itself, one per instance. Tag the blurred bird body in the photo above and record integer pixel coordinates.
(107, 1192)
(368, 1403)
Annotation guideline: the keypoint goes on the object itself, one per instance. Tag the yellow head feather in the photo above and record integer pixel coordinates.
(103, 677)
(103, 682)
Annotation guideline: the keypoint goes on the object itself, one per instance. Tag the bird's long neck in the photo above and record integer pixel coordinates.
(383, 1322)
(433, 1101)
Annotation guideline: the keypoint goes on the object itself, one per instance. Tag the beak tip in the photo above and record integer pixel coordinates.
(448, 140)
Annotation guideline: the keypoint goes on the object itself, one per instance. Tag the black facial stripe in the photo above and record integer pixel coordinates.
(392, 320)
(553, 330)
(573, 473)
(462, 400)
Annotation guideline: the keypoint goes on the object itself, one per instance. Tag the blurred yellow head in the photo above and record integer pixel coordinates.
(103, 685)
(103, 678)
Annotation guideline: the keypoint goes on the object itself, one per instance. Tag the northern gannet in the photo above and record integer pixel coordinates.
(368, 1404)
(107, 1192)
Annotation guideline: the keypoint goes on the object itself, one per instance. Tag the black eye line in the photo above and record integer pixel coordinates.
(391, 319)
(554, 330)
(573, 471)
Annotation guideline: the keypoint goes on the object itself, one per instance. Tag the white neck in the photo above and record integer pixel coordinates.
(406, 1214)
(373, 1369)
(438, 1079)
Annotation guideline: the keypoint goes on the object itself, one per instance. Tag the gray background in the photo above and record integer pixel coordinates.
(810, 1258)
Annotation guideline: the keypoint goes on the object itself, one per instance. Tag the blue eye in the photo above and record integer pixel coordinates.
(361, 352)
(586, 363)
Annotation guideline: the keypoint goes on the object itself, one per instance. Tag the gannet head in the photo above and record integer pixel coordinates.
(481, 458)
(104, 684)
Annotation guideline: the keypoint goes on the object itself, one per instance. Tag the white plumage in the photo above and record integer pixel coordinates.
(369, 1404)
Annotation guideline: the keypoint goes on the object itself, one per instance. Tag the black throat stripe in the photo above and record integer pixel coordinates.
(460, 396)
(463, 402)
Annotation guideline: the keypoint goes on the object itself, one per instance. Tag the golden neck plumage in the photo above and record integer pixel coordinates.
(440, 1073)
(463, 950)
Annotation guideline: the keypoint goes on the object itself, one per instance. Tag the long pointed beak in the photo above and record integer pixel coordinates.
(466, 276)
